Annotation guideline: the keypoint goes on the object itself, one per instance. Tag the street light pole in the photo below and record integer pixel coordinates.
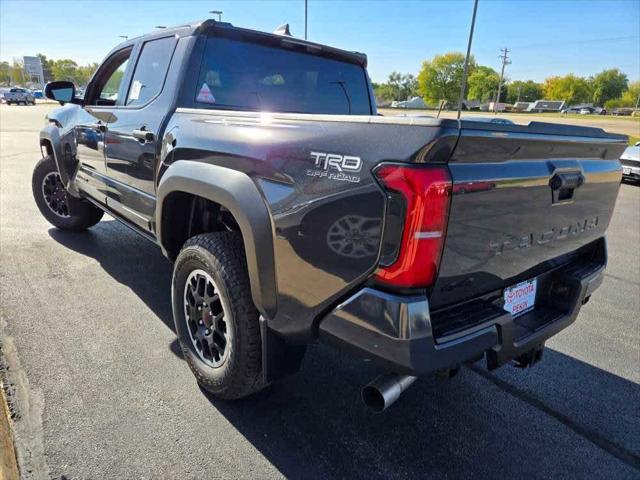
(217, 12)
(306, 9)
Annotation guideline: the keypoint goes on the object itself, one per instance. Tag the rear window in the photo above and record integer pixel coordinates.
(247, 76)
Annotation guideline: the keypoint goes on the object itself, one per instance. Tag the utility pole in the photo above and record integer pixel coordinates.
(505, 62)
(306, 9)
(519, 88)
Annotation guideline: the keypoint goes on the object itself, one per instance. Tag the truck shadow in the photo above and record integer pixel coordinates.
(129, 259)
(563, 418)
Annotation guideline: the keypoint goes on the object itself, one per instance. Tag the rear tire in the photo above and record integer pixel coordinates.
(215, 318)
(56, 205)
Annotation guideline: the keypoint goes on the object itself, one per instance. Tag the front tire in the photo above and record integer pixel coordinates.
(56, 205)
(215, 318)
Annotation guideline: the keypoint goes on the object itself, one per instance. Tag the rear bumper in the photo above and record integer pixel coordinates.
(398, 331)
(630, 172)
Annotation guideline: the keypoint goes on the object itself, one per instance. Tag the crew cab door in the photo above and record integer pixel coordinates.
(91, 124)
(132, 134)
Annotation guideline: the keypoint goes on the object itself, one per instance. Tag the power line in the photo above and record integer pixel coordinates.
(561, 43)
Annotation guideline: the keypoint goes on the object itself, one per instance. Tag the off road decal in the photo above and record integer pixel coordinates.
(335, 167)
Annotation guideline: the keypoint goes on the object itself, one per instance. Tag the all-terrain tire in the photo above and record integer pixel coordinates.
(75, 214)
(221, 256)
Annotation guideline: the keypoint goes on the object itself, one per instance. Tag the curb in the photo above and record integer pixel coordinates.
(8, 462)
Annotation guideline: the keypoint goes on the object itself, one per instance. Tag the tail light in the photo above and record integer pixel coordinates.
(426, 192)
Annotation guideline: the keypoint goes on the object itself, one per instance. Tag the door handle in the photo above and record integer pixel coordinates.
(143, 135)
(99, 127)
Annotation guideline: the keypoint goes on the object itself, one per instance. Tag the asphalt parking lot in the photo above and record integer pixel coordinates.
(100, 390)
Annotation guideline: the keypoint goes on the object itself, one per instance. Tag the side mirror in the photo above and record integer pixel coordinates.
(62, 91)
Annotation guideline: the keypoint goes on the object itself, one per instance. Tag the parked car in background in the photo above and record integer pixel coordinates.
(415, 102)
(498, 120)
(622, 111)
(19, 96)
(630, 160)
(584, 109)
(38, 94)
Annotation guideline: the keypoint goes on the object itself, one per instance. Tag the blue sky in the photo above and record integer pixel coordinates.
(546, 37)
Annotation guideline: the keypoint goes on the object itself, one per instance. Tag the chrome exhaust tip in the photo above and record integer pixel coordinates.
(385, 390)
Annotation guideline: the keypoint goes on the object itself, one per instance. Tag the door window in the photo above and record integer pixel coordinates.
(151, 70)
(104, 88)
(111, 88)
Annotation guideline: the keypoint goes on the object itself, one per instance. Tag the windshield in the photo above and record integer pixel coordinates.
(247, 76)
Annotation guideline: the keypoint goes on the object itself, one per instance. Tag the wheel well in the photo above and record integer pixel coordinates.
(48, 148)
(185, 215)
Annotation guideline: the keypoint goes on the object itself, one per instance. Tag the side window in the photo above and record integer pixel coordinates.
(151, 70)
(105, 86)
(111, 88)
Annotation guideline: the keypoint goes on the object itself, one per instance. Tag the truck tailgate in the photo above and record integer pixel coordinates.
(523, 196)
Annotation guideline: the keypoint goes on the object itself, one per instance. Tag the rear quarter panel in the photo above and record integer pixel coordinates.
(326, 215)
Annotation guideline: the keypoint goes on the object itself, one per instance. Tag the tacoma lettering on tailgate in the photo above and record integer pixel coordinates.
(542, 238)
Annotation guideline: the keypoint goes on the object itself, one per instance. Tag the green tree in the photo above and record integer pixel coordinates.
(608, 85)
(85, 73)
(570, 88)
(630, 98)
(384, 92)
(404, 86)
(399, 86)
(17, 73)
(522, 91)
(482, 84)
(441, 77)
(5, 73)
(65, 69)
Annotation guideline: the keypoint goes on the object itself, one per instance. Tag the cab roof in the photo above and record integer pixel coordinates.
(212, 27)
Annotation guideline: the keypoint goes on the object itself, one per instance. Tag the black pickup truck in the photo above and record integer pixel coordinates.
(293, 212)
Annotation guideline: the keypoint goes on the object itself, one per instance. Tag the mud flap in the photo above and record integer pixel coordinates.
(279, 357)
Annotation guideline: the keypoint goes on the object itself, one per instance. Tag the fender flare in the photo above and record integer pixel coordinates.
(238, 193)
(51, 135)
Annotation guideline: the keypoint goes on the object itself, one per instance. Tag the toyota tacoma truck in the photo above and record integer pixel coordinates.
(294, 213)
